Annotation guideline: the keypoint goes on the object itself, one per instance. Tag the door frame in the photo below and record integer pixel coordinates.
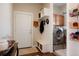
(15, 24)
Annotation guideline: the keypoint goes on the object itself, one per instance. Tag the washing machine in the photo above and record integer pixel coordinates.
(59, 38)
(58, 35)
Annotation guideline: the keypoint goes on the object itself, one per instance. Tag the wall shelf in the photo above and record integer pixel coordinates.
(74, 24)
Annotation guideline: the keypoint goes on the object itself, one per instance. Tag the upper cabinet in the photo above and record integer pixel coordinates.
(58, 20)
(44, 12)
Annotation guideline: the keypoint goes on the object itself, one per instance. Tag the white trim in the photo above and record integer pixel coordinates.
(23, 13)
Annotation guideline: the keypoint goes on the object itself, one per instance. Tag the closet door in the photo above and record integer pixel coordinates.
(23, 29)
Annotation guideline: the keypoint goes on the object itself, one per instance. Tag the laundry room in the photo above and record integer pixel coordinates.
(59, 28)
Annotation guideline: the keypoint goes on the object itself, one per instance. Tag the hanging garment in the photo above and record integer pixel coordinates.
(42, 26)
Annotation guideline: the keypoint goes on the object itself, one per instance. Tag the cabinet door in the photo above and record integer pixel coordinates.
(59, 20)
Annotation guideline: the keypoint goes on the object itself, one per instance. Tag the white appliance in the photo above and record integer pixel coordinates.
(58, 34)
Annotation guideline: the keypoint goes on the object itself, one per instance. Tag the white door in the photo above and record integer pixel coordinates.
(23, 29)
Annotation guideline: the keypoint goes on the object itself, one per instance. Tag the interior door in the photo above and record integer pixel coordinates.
(23, 29)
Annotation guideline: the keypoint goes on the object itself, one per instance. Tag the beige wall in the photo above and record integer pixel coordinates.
(28, 7)
(46, 5)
